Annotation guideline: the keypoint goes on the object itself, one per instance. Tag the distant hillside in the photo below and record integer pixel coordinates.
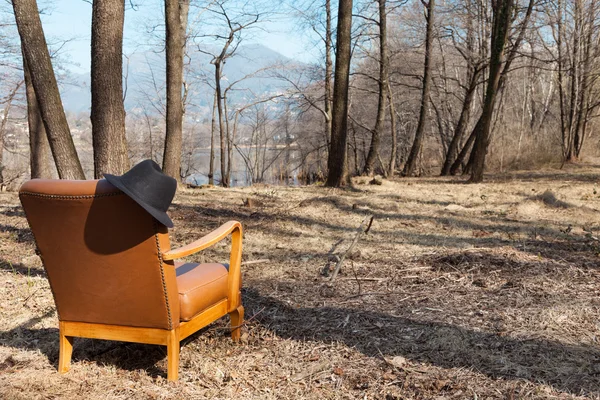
(147, 70)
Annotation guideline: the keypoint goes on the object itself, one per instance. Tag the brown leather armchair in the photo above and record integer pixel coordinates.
(114, 276)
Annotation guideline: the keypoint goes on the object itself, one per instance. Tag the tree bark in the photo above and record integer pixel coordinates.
(176, 14)
(462, 156)
(336, 162)
(477, 130)
(108, 111)
(36, 52)
(461, 125)
(39, 148)
(222, 132)
(3, 124)
(575, 77)
(394, 151)
(584, 82)
(501, 27)
(211, 162)
(411, 163)
(383, 85)
(328, 69)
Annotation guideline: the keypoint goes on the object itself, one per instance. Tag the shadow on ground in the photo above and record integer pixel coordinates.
(19, 268)
(546, 241)
(128, 356)
(23, 235)
(13, 211)
(571, 368)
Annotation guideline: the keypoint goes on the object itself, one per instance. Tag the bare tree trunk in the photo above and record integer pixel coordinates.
(2, 136)
(108, 111)
(575, 77)
(4, 122)
(394, 151)
(231, 137)
(336, 162)
(462, 156)
(383, 86)
(411, 163)
(500, 30)
(228, 140)
(39, 148)
(355, 149)
(36, 52)
(211, 162)
(479, 126)
(176, 12)
(328, 68)
(461, 125)
(585, 87)
(224, 183)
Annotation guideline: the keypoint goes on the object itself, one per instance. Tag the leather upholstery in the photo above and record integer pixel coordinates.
(101, 252)
(200, 286)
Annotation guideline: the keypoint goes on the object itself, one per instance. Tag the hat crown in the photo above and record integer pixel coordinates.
(149, 187)
(147, 180)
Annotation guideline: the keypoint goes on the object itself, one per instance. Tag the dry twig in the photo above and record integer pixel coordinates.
(368, 221)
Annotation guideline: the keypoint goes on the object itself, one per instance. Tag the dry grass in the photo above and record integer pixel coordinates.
(459, 291)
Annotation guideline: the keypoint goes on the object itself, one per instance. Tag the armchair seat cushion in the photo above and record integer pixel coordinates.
(200, 286)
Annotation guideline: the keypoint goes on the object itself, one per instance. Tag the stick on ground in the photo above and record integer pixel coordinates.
(364, 227)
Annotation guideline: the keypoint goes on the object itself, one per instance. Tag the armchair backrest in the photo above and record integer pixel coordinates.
(101, 252)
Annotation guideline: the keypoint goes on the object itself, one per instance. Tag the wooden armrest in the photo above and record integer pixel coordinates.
(204, 242)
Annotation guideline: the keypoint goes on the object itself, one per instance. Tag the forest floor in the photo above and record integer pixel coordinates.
(488, 291)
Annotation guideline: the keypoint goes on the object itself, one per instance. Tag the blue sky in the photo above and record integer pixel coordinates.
(71, 19)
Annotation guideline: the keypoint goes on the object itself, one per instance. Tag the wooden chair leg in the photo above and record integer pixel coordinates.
(237, 319)
(65, 346)
(173, 355)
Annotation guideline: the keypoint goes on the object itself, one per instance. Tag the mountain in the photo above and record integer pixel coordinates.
(145, 75)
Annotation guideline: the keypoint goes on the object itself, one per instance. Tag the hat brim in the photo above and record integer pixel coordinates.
(160, 215)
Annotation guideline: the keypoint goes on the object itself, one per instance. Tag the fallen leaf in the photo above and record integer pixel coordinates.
(309, 372)
(440, 384)
(397, 361)
(388, 376)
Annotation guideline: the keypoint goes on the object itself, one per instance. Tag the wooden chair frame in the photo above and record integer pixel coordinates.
(68, 330)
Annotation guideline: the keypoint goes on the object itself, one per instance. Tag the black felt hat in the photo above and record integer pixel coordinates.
(149, 187)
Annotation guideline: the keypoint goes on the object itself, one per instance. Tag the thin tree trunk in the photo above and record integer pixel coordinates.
(409, 166)
(224, 183)
(461, 125)
(108, 111)
(337, 162)
(227, 139)
(175, 16)
(230, 141)
(2, 136)
(3, 124)
(211, 162)
(394, 151)
(477, 130)
(441, 126)
(560, 72)
(39, 148)
(582, 115)
(501, 28)
(462, 156)
(36, 52)
(575, 77)
(355, 148)
(383, 85)
(328, 69)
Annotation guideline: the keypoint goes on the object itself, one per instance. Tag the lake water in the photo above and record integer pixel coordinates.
(270, 169)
